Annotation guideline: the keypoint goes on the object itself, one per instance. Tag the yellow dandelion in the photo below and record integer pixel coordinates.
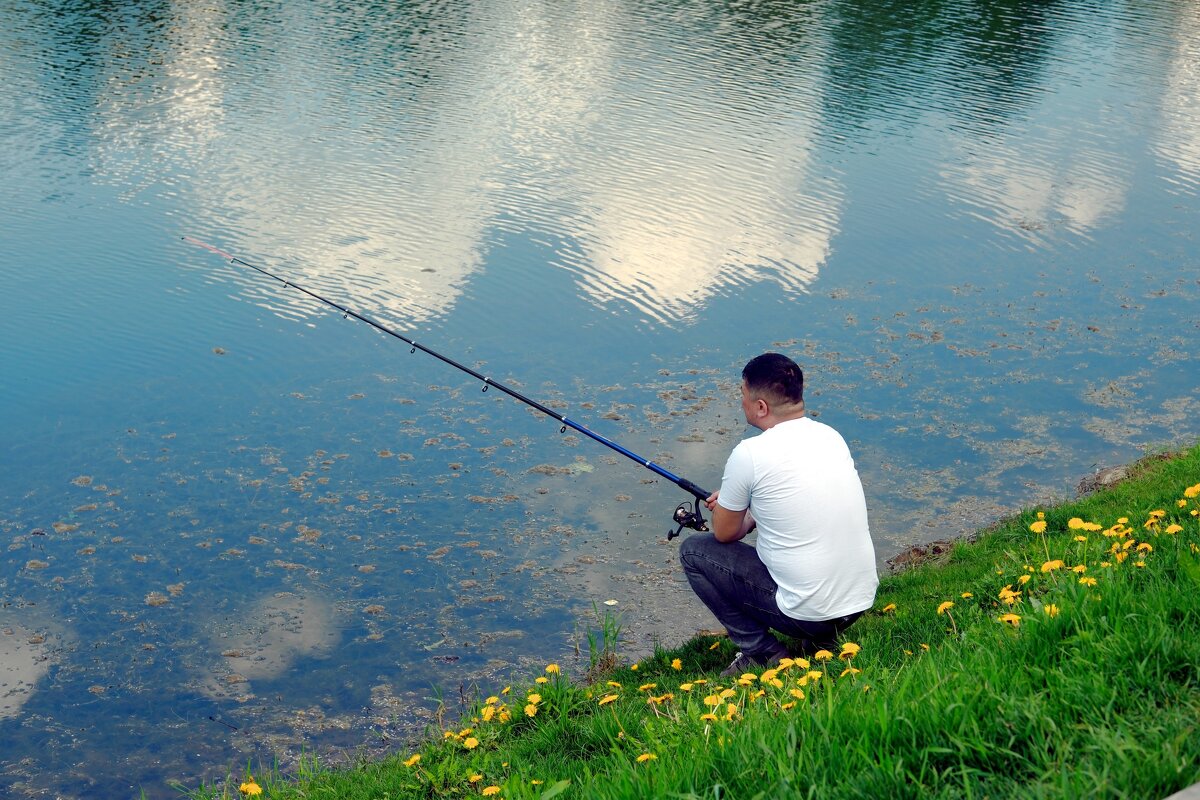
(1011, 619)
(849, 671)
(797, 693)
(849, 650)
(1174, 527)
(685, 687)
(1079, 569)
(614, 684)
(1081, 538)
(715, 645)
(815, 676)
(1050, 609)
(412, 760)
(633, 667)
(802, 663)
(541, 679)
(713, 700)
(534, 698)
(768, 675)
(487, 713)
(888, 609)
(787, 706)
(966, 595)
(531, 710)
(1088, 581)
(645, 687)
(608, 698)
(1023, 579)
(730, 711)
(710, 717)
(1041, 515)
(727, 693)
(822, 655)
(536, 782)
(1039, 526)
(1121, 556)
(506, 690)
(676, 664)
(924, 647)
(644, 757)
(491, 701)
(476, 778)
(1050, 566)
(1074, 523)
(552, 669)
(1192, 491)
(944, 607)
(250, 788)
(1145, 547)
(470, 743)
(490, 790)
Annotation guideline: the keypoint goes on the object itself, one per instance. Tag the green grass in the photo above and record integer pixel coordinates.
(1099, 698)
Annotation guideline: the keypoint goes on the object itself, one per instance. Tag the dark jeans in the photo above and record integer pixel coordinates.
(734, 583)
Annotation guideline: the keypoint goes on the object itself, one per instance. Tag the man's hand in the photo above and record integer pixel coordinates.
(728, 526)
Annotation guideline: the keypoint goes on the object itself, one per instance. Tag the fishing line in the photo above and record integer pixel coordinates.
(685, 515)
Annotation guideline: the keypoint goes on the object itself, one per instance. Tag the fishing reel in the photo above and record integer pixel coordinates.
(687, 516)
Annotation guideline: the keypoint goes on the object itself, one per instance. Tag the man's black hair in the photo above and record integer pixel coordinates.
(776, 376)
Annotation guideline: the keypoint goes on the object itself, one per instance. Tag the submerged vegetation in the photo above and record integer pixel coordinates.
(1054, 655)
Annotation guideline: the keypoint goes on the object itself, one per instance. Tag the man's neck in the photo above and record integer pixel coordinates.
(774, 419)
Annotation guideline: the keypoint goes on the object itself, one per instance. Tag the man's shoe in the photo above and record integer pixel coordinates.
(743, 663)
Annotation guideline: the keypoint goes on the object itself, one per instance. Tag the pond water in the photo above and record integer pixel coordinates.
(238, 527)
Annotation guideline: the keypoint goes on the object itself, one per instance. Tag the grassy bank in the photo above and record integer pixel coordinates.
(1055, 655)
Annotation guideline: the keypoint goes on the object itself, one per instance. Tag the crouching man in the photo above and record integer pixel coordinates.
(812, 571)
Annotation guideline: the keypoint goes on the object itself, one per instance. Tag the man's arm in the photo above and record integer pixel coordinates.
(729, 526)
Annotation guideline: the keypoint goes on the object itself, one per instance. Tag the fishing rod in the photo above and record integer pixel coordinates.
(685, 515)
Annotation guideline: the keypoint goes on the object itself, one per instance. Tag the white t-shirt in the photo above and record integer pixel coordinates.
(798, 480)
